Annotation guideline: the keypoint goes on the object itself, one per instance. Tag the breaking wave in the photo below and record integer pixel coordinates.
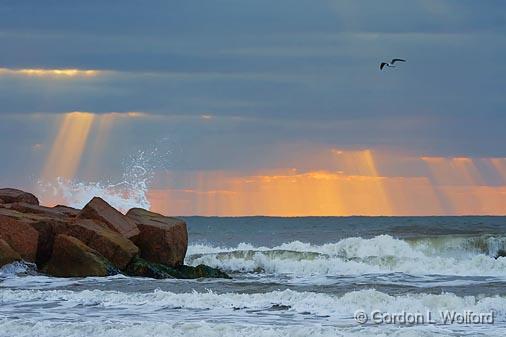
(462, 256)
(16, 269)
(122, 196)
(128, 192)
(16, 328)
(304, 303)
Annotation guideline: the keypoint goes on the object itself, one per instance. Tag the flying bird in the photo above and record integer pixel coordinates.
(391, 64)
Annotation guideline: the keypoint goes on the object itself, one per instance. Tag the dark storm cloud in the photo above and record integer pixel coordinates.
(190, 35)
(270, 72)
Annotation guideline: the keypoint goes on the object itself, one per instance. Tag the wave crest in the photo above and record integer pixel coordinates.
(292, 301)
(463, 256)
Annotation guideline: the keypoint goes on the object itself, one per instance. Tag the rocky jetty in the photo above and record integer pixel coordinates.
(95, 241)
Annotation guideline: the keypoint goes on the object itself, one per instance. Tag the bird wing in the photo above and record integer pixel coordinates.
(382, 65)
(397, 60)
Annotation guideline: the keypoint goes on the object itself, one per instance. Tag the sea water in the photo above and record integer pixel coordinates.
(290, 277)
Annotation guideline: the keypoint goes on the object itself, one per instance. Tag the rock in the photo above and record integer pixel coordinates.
(68, 211)
(2, 201)
(112, 245)
(201, 271)
(57, 211)
(45, 224)
(10, 213)
(22, 237)
(162, 239)
(48, 228)
(143, 268)
(7, 211)
(50, 222)
(24, 207)
(98, 209)
(72, 258)
(7, 254)
(10, 195)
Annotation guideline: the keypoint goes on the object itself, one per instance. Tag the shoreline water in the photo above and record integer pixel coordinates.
(281, 286)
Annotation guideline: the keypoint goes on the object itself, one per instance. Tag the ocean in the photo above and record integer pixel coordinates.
(305, 276)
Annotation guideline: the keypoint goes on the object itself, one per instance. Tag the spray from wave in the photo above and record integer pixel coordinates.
(123, 194)
(17, 269)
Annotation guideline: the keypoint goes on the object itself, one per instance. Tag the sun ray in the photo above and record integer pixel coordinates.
(68, 146)
(363, 163)
(101, 132)
(499, 165)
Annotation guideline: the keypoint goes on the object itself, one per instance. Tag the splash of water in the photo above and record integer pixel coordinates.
(129, 192)
(122, 196)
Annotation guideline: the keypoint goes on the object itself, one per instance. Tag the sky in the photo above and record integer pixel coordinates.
(233, 107)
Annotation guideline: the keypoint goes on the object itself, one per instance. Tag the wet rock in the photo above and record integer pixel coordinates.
(98, 209)
(7, 254)
(11, 195)
(280, 307)
(142, 268)
(161, 239)
(72, 258)
(22, 237)
(201, 271)
(112, 245)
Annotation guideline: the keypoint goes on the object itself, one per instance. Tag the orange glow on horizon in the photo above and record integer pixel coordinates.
(363, 163)
(453, 171)
(457, 174)
(454, 186)
(296, 194)
(321, 193)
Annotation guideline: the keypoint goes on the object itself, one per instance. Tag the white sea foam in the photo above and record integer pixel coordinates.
(354, 256)
(320, 304)
(17, 328)
(15, 268)
(161, 313)
(39, 281)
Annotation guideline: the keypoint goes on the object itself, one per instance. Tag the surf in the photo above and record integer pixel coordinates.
(444, 255)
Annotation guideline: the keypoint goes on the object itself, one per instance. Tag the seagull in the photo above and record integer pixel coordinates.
(391, 64)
